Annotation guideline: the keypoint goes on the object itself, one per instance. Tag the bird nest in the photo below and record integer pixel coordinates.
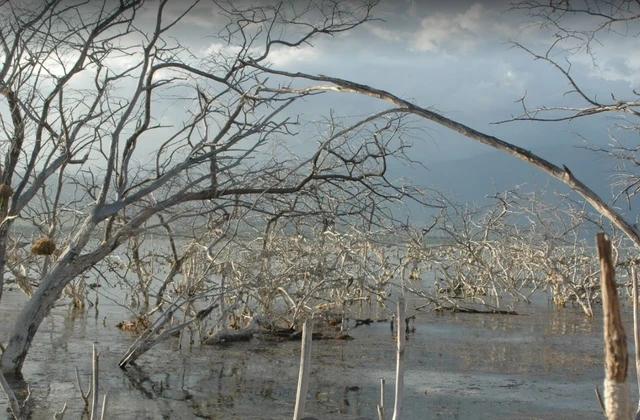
(5, 191)
(137, 325)
(43, 246)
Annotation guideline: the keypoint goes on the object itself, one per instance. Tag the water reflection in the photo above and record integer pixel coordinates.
(544, 363)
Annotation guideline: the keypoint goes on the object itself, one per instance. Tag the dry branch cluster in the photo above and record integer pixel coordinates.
(176, 171)
(279, 273)
(519, 244)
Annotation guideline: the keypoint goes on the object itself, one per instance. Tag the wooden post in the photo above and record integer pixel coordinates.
(616, 389)
(636, 331)
(104, 407)
(400, 337)
(94, 385)
(381, 405)
(305, 367)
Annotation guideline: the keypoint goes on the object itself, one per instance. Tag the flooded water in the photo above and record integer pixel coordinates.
(543, 364)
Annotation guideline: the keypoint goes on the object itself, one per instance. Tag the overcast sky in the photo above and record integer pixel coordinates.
(453, 56)
(456, 56)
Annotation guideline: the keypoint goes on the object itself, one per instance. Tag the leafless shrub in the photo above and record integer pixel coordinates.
(518, 244)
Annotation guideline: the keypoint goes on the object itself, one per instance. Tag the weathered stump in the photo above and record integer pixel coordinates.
(617, 402)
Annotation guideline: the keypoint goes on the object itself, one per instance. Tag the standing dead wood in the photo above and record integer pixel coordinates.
(616, 388)
(59, 415)
(104, 407)
(305, 365)
(94, 385)
(58, 122)
(85, 397)
(636, 332)
(381, 405)
(397, 411)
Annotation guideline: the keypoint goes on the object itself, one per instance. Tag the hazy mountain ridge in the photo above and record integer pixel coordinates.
(472, 179)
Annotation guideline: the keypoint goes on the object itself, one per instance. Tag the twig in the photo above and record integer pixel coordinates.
(26, 400)
(85, 397)
(600, 401)
(59, 415)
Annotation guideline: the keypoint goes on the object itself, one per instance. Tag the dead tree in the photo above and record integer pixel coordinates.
(115, 123)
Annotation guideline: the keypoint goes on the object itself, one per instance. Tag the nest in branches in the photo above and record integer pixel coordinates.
(137, 325)
(5, 191)
(43, 246)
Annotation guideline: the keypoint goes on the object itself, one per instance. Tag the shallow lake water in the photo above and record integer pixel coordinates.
(542, 364)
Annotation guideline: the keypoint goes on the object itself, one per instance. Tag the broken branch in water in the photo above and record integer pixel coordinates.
(59, 415)
(85, 397)
(465, 310)
(227, 335)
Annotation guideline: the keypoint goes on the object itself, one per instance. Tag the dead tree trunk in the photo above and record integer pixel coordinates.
(38, 307)
(616, 389)
(636, 331)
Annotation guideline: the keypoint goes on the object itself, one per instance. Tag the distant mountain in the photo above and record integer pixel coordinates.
(475, 178)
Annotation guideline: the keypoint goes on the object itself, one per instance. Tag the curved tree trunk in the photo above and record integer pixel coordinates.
(38, 307)
(403, 106)
(32, 315)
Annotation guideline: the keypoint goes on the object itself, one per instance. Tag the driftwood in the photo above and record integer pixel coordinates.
(466, 310)
(157, 333)
(616, 389)
(227, 335)
(295, 336)
(449, 305)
